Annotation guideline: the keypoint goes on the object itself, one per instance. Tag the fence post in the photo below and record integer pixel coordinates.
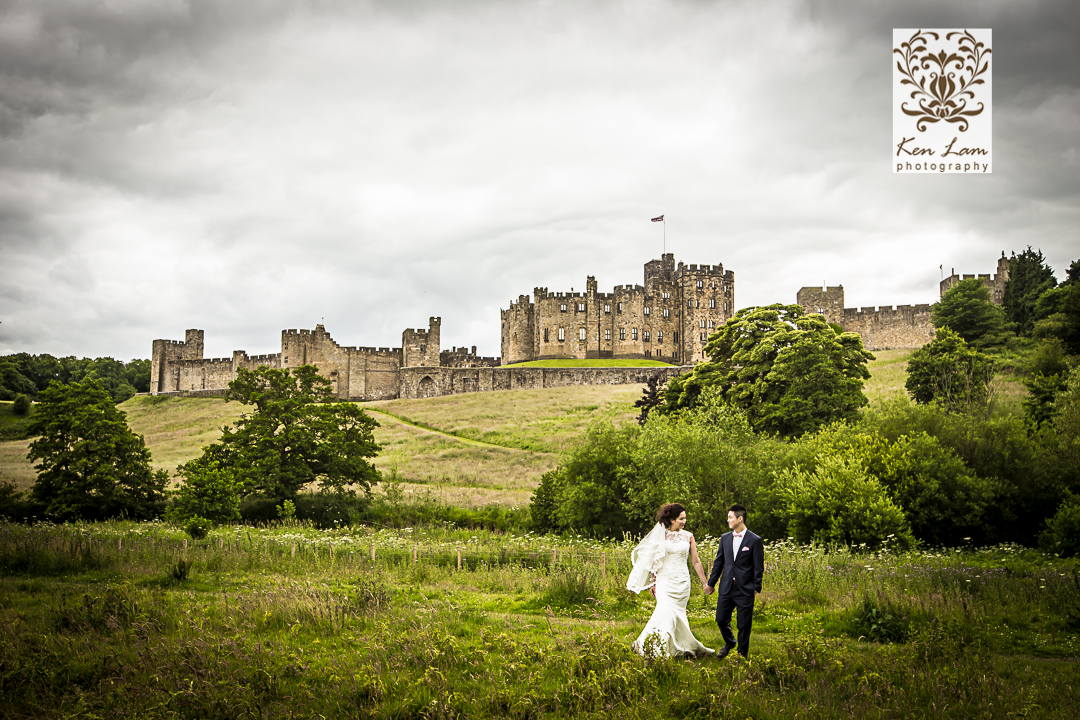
(119, 544)
(373, 554)
(185, 544)
(414, 554)
(459, 558)
(603, 564)
(554, 557)
(292, 549)
(331, 553)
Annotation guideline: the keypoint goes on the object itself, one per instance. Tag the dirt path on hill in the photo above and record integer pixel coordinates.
(467, 441)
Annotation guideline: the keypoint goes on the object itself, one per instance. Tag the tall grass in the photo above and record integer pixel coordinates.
(95, 622)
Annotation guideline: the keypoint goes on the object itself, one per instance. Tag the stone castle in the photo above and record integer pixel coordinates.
(669, 318)
(888, 328)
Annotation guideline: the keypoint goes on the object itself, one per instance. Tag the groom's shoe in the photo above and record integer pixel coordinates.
(722, 652)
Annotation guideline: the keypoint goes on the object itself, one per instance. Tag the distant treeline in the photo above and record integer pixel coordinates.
(26, 374)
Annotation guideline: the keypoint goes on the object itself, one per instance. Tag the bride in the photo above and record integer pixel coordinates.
(660, 564)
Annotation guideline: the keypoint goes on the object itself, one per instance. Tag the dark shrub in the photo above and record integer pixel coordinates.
(21, 406)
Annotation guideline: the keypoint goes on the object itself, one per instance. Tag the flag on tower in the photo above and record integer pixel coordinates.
(658, 219)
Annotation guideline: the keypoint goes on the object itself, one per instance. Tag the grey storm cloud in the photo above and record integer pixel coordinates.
(250, 167)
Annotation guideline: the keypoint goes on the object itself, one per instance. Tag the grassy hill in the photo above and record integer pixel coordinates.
(469, 450)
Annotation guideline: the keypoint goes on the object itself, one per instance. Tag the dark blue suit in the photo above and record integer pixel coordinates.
(740, 578)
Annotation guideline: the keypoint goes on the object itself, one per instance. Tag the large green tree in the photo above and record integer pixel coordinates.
(90, 464)
(951, 372)
(1029, 277)
(967, 310)
(789, 371)
(298, 433)
(1057, 311)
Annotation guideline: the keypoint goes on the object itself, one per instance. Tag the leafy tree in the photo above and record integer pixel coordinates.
(650, 398)
(967, 310)
(839, 502)
(948, 371)
(90, 464)
(1049, 375)
(298, 433)
(1057, 311)
(1029, 277)
(589, 492)
(790, 372)
(13, 382)
(137, 374)
(942, 499)
(209, 493)
(1062, 533)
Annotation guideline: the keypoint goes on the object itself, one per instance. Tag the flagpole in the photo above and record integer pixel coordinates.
(665, 237)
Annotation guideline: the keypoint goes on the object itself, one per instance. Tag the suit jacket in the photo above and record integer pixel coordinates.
(742, 573)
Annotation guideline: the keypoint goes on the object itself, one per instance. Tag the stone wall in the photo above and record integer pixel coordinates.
(434, 382)
(887, 328)
(890, 328)
(465, 358)
(994, 283)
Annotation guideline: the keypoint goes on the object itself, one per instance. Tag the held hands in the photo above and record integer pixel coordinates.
(708, 590)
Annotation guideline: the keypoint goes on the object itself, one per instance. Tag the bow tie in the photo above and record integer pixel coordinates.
(738, 535)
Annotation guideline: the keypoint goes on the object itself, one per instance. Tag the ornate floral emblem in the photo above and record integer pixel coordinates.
(942, 82)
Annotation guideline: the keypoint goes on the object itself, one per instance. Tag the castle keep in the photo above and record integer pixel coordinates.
(669, 318)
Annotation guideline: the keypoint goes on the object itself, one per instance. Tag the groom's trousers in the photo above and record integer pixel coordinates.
(744, 604)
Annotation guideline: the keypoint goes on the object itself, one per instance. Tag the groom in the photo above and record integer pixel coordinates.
(739, 565)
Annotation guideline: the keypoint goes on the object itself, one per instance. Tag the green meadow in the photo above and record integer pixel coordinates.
(285, 620)
(132, 620)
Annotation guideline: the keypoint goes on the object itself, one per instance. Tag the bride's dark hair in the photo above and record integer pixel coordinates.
(669, 513)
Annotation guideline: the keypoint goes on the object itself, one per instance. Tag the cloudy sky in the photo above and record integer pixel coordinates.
(245, 167)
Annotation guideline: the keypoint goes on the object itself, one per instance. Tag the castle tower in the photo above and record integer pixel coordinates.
(164, 377)
(420, 348)
(826, 301)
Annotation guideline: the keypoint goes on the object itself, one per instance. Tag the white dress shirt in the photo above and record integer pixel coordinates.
(736, 543)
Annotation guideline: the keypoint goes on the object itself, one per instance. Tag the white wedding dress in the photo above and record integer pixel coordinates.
(668, 631)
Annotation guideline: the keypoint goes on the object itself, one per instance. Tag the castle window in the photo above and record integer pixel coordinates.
(646, 338)
(712, 302)
(622, 333)
(711, 324)
(633, 334)
(618, 309)
(690, 303)
(725, 307)
(702, 337)
(581, 334)
(562, 334)
(667, 296)
(562, 308)
(700, 284)
(545, 335)
(667, 313)
(660, 336)
(581, 307)
(701, 323)
(648, 353)
(675, 336)
(607, 309)
(423, 348)
(646, 309)
(607, 336)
